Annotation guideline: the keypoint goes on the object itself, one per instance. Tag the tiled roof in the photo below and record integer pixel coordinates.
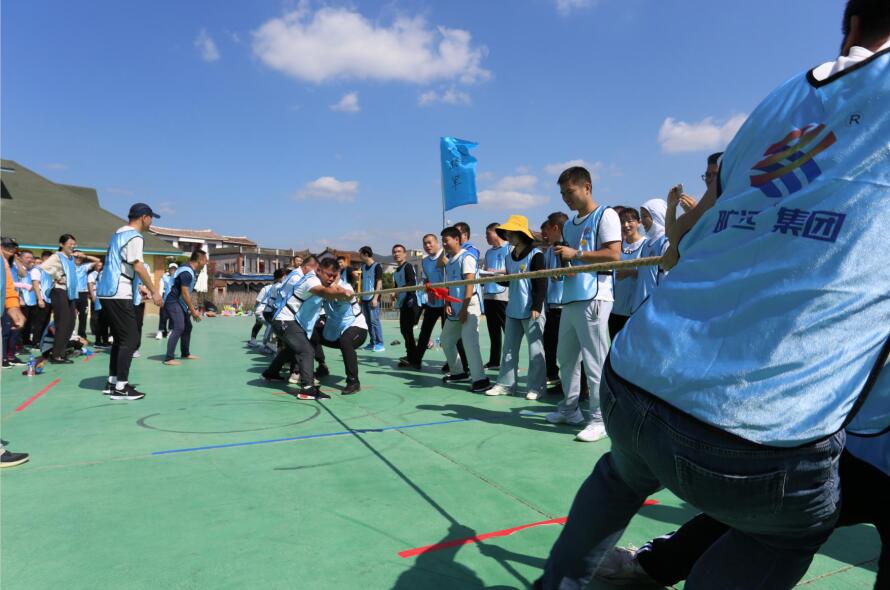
(196, 234)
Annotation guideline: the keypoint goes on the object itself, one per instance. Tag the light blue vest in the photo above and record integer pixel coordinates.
(495, 259)
(82, 272)
(625, 289)
(137, 282)
(46, 285)
(114, 263)
(648, 277)
(310, 309)
(69, 268)
(582, 236)
(287, 290)
(340, 316)
(453, 273)
(166, 284)
(29, 296)
(554, 284)
(368, 283)
(400, 281)
(273, 297)
(519, 306)
(3, 283)
(434, 274)
(776, 314)
(97, 304)
(185, 268)
(288, 283)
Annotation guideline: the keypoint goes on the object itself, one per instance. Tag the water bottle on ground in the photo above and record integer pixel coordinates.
(32, 367)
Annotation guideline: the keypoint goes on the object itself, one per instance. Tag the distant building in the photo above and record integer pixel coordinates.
(36, 211)
(189, 240)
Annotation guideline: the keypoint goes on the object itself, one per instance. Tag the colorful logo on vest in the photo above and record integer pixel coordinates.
(790, 163)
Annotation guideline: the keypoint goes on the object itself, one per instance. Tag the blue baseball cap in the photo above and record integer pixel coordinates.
(140, 209)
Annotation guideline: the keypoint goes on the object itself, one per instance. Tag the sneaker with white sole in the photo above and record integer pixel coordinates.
(128, 394)
(159, 336)
(553, 383)
(136, 355)
(499, 389)
(532, 395)
(620, 567)
(251, 343)
(108, 389)
(294, 378)
(560, 418)
(594, 431)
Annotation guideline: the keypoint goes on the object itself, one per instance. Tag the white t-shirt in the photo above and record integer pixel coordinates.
(468, 266)
(260, 305)
(609, 231)
(34, 274)
(132, 253)
(293, 304)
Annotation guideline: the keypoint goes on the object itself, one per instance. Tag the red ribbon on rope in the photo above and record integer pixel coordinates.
(440, 293)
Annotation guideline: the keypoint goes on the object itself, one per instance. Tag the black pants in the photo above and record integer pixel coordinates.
(140, 319)
(496, 319)
(83, 304)
(297, 347)
(121, 317)
(432, 315)
(864, 491)
(408, 316)
(551, 339)
(163, 321)
(349, 341)
(257, 326)
(616, 323)
(99, 326)
(38, 318)
(64, 310)
(181, 332)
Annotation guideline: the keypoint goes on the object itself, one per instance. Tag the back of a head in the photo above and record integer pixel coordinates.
(279, 274)
(197, 255)
(714, 158)
(874, 19)
(463, 228)
(366, 251)
(557, 219)
(311, 261)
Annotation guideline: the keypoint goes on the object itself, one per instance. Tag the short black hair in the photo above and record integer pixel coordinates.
(366, 251)
(713, 158)
(46, 253)
(629, 212)
(400, 246)
(451, 232)
(434, 236)
(491, 226)
(65, 237)
(196, 255)
(874, 19)
(463, 227)
(576, 175)
(279, 274)
(618, 209)
(329, 264)
(557, 219)
(310, 258)
(339, 258)
(9, 243)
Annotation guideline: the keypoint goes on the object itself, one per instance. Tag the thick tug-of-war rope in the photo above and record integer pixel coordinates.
(440, 290)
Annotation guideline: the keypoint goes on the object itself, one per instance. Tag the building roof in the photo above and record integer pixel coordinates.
(195, 234)
(36, 211)
(238, 240)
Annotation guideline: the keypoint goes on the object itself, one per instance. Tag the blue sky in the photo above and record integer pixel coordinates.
(304, 124)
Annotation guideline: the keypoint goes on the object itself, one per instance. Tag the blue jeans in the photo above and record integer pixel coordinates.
(781, 503)
(372, 317)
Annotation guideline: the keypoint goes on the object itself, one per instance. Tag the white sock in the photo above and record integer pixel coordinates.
(112, 379)
(120, 385)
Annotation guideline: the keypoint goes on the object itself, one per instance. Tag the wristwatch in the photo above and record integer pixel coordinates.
(578, 255)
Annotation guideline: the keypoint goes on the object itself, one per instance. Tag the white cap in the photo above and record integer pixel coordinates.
(172, 265)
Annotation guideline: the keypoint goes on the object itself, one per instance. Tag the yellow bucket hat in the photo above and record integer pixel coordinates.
(515, 223)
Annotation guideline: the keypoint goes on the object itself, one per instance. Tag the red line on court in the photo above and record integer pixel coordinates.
(34, 397)
(479, 538)
(88, 357)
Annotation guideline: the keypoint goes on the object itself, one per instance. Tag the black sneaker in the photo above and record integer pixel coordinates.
(351, 388)
(319, 394)
(10, 459)
(492, 367)
(404, 362)
(322, 370)
(128, 394)
(16, 361)
(455, 378)
(306, 393)
(109, 387)
(481, 385)
(446, 368)
(270, 378)
(6, 364)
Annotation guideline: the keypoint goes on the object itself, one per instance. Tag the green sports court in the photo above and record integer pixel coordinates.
(218, 480)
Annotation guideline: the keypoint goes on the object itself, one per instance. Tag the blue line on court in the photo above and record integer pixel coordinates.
(308, 436)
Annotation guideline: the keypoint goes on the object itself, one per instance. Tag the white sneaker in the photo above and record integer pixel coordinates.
(159, 336)
(251, 343)
(136, 355)
(621, 568)
(294, 378)
(560, 418)
(594, 431)
(553, 383)
(499, 390)
(532, 395)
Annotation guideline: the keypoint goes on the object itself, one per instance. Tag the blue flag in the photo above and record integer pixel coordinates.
(458, 172)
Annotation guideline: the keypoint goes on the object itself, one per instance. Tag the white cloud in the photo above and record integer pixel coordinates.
(566, 7)
(120, 192)
(329, 188)
(165, 208)
(522, 170)
(451, 96)
(347, 104)
(708, 134)
(56, 166)
(206, 46)
(595, 168)
(340, 43)
(513, 192)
